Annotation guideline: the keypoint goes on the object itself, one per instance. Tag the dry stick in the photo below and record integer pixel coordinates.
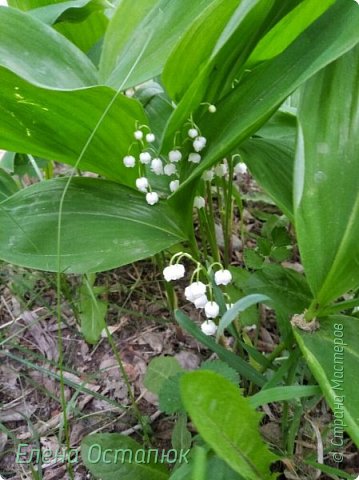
(59, 227)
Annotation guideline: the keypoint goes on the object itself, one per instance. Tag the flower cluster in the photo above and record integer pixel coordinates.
(164, 164)
(198, 293)
(221, 170)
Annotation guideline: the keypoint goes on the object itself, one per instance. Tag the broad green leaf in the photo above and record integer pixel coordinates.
(231, 50)
(158, 106)
(252, 259)
(271, 162)
(7, 161)
(200, 39)
(87, 34)
(158, 371)
(130, 462)
(228, 423)
(170, 395)
(332, 355)
(287, 29)
(222, 369)
(104, 225)
(327, 179)
(288, 290)
(92, 310)
(29, 4)
(58, 124)
(73, 10)
(242, 304)
(8, 185)
(281, 126)
(258, 95)
(234, 361)
(216, 469)
(40, 55)
(149, 28)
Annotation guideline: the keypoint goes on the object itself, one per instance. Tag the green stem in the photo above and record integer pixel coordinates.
(170, 292)
(60, 367)
(194, 246)
(211, 225)
(228, 216)
(285, 419)
(238, 199)
(276, 352)
(312, 311)
(202, 230)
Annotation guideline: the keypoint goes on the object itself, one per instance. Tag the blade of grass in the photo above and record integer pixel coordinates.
(234, 361)
(279, 394)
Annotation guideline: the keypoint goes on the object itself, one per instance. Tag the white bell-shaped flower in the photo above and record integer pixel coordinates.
(150, 137)
(223, 277)
(174, 185)
(152, 198)
(201, 301)
(138, 135)
(174, 156)
(240, 168)
(129, 161)
(194, 291)
(193, 133)
(145, 158)
(174, 272)
(221, 170)
(157, 166)
(199, 202)
(170, 169)
(211, 309)
(142, 184)
(209, 328)
(194, 157)
(199, 143)
(208, 175)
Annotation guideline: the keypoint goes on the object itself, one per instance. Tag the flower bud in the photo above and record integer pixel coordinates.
(138, 135)
(174, 185)
(193, 133)
(212, 109)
